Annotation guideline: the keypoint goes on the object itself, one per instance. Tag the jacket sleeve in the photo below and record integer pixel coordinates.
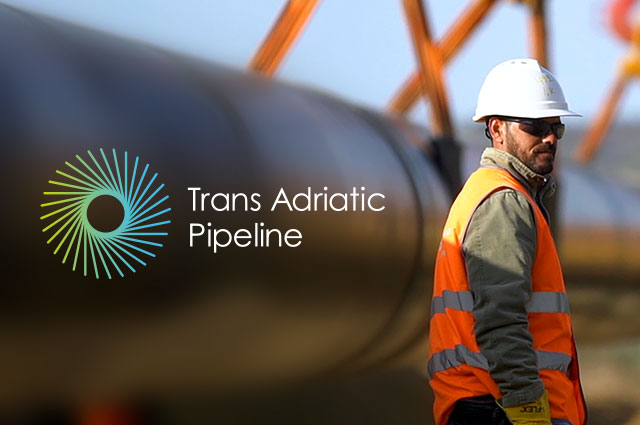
(499, 248)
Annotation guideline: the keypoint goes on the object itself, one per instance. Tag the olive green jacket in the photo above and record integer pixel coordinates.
(499, 248)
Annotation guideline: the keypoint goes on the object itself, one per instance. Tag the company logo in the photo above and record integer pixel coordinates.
(105, 217)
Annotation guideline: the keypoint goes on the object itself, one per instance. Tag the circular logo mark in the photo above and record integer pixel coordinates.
(105, 219)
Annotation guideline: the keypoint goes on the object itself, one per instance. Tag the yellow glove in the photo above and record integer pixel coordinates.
(533, 413)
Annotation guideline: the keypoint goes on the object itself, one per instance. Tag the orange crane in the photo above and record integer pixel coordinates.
(628, 29)
(431, 55)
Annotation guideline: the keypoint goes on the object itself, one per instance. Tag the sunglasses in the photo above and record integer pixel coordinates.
(538, 127)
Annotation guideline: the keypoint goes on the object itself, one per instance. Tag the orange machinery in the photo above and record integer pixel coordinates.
(627, 28)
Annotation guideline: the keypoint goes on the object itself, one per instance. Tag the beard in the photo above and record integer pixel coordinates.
(535, 160)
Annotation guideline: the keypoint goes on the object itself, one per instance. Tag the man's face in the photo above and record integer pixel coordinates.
(537, 153)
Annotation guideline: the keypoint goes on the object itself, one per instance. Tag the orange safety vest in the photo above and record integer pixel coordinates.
(457, 369)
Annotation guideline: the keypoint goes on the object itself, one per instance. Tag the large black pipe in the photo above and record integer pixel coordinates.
(353, 296)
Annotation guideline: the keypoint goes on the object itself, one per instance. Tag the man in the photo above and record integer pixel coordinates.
(501, 342)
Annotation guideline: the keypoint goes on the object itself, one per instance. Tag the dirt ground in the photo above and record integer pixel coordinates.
(607, 331)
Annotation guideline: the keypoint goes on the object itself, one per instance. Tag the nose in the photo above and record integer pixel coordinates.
(550, 139)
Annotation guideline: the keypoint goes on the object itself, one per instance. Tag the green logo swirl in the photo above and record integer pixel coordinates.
(132, 207)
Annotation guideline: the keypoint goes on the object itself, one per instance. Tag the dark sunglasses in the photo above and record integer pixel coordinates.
(537, 127)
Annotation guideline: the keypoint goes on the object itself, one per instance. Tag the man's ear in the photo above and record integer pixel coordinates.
(497, 130)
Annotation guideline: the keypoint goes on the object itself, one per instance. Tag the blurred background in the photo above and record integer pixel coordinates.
(352, 59)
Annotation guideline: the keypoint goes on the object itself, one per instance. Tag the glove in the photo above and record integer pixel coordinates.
(534, 413)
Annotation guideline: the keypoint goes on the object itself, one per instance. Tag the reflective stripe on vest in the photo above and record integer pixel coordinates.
(540, 302)
(460, 355)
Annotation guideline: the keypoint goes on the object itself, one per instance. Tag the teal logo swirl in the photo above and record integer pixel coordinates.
(105, 218)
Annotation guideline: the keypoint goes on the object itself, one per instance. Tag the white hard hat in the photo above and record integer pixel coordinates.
(521, 88)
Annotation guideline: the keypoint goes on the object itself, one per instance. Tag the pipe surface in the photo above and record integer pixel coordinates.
(352, 297)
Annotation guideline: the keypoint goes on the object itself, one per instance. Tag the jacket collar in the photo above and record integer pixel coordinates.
(538, 185)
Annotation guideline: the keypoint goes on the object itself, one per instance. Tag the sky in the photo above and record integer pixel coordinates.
(361, 50)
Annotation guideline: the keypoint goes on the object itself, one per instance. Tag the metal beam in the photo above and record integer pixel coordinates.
(283, 34)
(430, 64)
(538, 44)
(594, 135)
(629, 69)
(451, 42)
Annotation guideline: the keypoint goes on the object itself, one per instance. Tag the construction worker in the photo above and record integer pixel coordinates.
(501, 343)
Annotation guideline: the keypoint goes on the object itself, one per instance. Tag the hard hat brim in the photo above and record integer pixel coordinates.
(547, 113)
